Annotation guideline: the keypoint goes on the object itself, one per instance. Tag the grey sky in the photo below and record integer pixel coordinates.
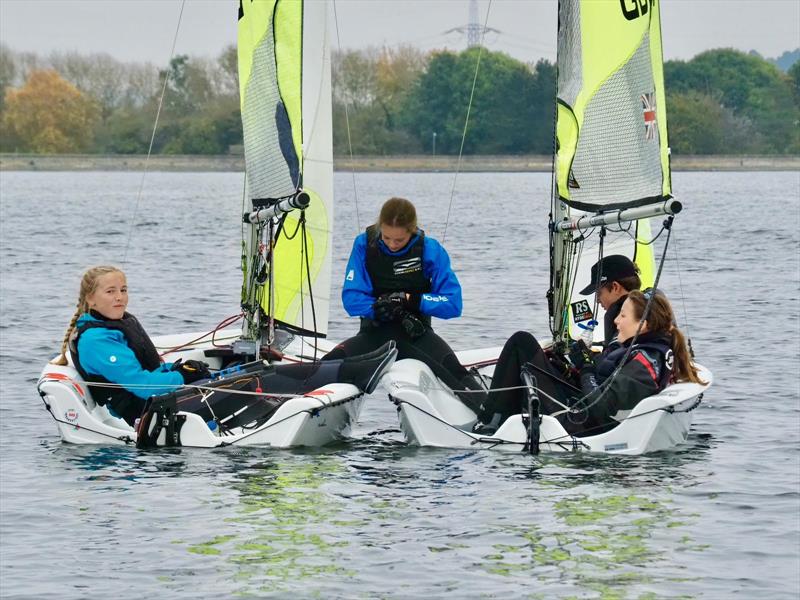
(142, 30)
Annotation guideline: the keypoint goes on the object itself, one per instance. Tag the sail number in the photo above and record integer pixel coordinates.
(633, 9)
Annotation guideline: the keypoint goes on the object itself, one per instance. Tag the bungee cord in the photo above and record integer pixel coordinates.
(193, 386)
(573, 440)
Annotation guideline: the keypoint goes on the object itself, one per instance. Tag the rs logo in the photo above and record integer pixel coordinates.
(633, 9)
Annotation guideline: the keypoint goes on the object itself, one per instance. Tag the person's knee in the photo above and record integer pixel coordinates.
(523, 338)
(337, 353)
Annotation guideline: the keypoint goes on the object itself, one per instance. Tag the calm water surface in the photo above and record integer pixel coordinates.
(716, 518)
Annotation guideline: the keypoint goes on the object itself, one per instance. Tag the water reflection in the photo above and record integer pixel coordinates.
(597, 523)
(120, 462)
(275, 535)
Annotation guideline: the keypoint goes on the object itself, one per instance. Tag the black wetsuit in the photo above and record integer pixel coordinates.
(645, 372)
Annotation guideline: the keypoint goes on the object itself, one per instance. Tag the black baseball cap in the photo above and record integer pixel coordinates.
(610, 268)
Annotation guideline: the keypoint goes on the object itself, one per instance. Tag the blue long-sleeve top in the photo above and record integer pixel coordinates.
(444, 299)
(105, 352)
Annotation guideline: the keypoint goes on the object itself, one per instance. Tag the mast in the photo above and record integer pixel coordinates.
(560, 244)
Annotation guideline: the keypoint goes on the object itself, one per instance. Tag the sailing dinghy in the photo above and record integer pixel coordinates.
(284, 74)
(611, 174)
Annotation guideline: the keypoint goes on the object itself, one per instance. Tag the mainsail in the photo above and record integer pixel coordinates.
(284, 84)
(612, 151)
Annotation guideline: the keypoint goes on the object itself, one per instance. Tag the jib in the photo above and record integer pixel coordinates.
(633, 9)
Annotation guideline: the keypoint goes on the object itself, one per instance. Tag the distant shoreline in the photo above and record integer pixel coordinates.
(399, 164)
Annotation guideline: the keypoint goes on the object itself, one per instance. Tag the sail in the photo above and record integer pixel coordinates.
(611, 118)
(284, 84)
(611, 139)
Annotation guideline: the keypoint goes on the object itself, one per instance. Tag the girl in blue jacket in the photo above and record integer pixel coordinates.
(116, 357)
(397, 278)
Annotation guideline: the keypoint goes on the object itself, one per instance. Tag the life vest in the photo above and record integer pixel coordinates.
(402, 273)
(138, 341)
(655, 355)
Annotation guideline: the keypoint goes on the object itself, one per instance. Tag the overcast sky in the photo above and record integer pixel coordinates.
(142, 30)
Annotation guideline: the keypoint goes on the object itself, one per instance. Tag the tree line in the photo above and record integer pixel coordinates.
(385, 102)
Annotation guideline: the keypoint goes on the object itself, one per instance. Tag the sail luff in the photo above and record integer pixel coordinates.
(657, 57)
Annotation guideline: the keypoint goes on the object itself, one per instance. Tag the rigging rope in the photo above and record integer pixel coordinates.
(466, 122)
(153, 135)
(347, 126)
(683, 301)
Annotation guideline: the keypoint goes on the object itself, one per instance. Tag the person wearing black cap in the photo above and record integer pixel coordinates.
(652, 353)
(612, 278)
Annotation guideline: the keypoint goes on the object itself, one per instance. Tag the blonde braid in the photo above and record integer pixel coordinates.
(88, 287)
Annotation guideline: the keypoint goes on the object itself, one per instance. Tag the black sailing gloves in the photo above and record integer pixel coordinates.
(581, 356)
(402, 307)
(191, 370)
(390, 307)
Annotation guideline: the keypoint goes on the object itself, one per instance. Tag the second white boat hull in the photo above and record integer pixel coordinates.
(431, 415)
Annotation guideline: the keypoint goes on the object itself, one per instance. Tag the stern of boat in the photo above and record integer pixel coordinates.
(80, 421)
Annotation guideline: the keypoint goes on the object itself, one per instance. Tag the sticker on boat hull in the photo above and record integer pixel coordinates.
(71, 415)
(616, 447)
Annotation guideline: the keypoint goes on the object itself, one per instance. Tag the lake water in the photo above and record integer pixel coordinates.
(718, 517)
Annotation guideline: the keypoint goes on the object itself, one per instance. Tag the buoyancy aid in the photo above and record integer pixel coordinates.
(653, 352)
(138, 341)
(397, 273)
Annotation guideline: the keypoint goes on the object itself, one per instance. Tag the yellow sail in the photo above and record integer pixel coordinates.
(284, 84)
(611, 120)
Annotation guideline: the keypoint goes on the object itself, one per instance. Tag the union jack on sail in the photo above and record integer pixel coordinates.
(649, 113)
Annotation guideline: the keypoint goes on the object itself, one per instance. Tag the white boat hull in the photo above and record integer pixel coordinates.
(317, 418)
(431, 415)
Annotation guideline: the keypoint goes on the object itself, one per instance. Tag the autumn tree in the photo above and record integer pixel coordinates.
(49, 115)
(8, 71)
(370, 87)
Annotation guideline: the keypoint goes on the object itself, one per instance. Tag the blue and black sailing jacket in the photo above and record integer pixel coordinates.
(443, 297)
(102, 352)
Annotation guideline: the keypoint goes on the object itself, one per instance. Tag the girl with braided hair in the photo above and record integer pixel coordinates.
(109, 347)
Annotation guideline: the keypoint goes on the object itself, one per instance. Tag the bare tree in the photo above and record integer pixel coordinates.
(8, 70)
